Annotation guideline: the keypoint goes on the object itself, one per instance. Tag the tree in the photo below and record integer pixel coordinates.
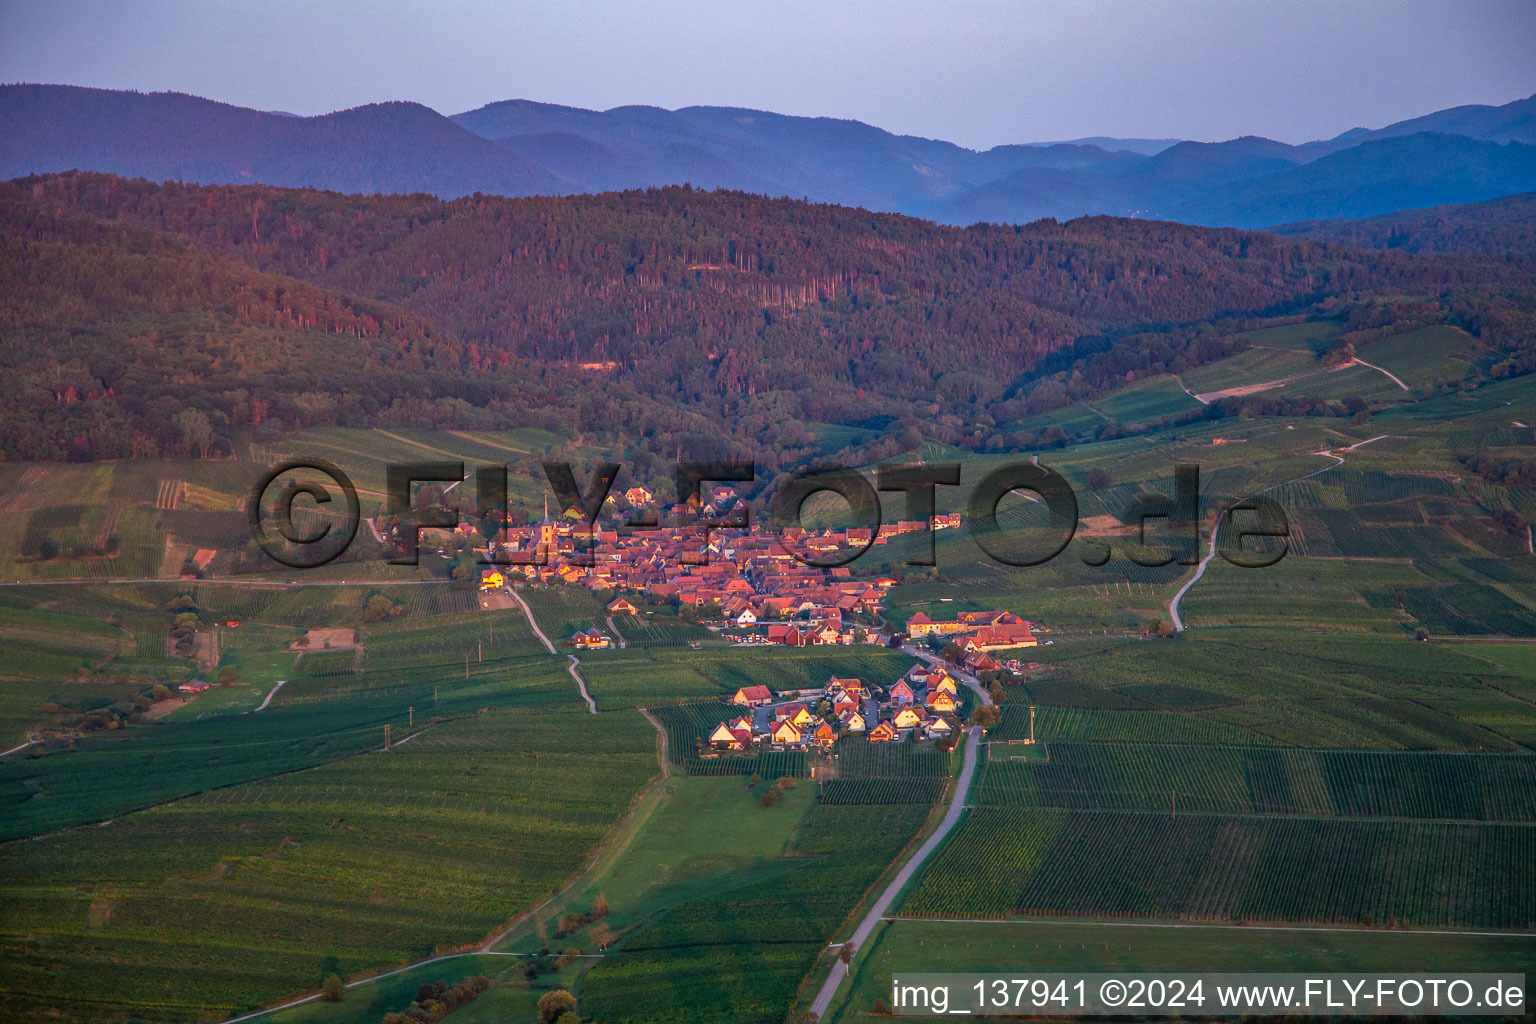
(568, 1017)
(846, 953)
(332, 989)
(47, 549)
(196, 431)
(227, 675)
(986, 715)
(552, 1005)
(1098, 479)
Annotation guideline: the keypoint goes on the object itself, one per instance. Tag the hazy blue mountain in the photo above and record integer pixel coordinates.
(822, 158)
(1257, 182)
(385, 147)
(1374, 178)
(1145, 147)
(1511, 122)
(518, 147)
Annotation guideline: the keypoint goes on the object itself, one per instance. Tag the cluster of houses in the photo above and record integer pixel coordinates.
(977, 634)
(746, 578)
(922, 705)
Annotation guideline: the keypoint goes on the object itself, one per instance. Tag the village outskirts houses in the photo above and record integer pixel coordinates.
(922, 705)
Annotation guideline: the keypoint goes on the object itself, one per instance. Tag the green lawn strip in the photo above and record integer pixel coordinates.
(1026, 947)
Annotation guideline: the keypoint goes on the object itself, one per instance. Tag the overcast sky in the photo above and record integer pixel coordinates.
(976, 73)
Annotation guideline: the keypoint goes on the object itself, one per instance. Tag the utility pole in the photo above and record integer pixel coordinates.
(466, 664)
(1031, 723)
(434, 696)
(1175, 796)
(479, 653)
(386, 735)
(411, 720)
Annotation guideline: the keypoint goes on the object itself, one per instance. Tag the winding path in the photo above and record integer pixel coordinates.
(581, 684)
(1395, 379)
(1173, 605)
(272, 693)
(531, 620)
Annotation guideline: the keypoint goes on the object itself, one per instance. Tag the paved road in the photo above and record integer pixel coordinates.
(954, 670)
(1173, 606)
(581, 684)
(877, 910)
(531, 620)
(270, 695)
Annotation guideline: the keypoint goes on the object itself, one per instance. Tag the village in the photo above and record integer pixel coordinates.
(751, 590)
(746, 582)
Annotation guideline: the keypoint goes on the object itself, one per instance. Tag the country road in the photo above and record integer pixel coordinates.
(877, 910)
(955, 670)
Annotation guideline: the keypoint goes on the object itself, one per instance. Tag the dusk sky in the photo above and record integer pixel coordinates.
(974, 73)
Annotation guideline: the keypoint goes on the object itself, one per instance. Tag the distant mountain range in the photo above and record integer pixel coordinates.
(519, 148)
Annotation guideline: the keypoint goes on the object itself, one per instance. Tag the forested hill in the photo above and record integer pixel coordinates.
(757, 316)
(1501, 228)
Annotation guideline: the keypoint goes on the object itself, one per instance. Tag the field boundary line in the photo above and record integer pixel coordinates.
(1211, 924)
(614, 843)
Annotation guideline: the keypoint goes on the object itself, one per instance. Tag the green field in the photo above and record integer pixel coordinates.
(743, 957)
(909, 946)
(706, 836)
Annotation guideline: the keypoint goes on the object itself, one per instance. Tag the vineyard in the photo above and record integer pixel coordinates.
(563, 611)
(687, 725)
(886, 773)
(1260, 780)
(1119, 726)
(224, 901)
(1012, 861)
